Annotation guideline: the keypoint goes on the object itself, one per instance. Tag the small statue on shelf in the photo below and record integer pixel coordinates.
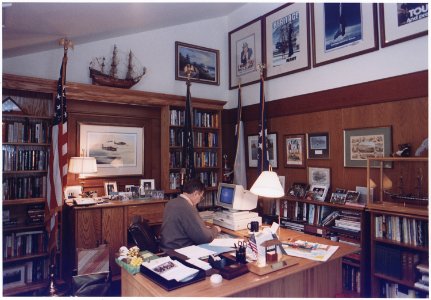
(403, 150)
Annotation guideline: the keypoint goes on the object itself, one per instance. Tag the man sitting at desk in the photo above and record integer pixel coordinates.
(182, 226)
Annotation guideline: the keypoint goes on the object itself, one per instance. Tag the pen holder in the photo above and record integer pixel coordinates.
(240, 255)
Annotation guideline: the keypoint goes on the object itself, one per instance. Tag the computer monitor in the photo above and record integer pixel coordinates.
(235, 197)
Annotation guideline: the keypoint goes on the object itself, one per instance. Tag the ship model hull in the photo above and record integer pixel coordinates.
(98, 78)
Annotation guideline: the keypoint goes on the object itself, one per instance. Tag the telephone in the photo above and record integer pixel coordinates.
(84, 201)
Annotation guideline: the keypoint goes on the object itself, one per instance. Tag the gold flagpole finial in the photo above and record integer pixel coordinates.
(189, 69)
(66, 43)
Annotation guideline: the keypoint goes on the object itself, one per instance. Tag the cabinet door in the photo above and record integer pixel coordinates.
(88, 230)
(152, 212)
(113, 233)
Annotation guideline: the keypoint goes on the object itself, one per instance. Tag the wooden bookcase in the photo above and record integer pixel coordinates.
(308, 216)
(399, 224)
(25, 153)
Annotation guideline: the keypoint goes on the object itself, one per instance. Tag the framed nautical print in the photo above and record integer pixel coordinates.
(205, 62)
(287, 43)
(245, 53)
(342, 30)
(400, 22)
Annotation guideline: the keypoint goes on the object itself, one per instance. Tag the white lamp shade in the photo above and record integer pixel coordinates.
(82, 165)
(268, 185)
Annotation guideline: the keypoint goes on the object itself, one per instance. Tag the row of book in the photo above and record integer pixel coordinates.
(24, 187)
(401, 229)
(200, 119)
(24, 159)
(18, 244)
(395, 290)
(26, 132)
(348, 220)
(209, 179)
(351, 278)
(396, 262)
(208, 200)
(205, 159)
(36, 214)
(423, 280)
(200, 139)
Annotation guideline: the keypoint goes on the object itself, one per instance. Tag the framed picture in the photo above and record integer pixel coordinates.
(298, 189)
(320, 191)
(338, 197)
(282, 182)
(294, 151)
(352, 197)
(72, 191)
(321, 176)
(272, 149)
(287, 43)
(14, 277)
(118, 150)
(342, 30)
(134, 189)
(245, 53)
(252, 151)
(110, 187)
(318, 145)
(147, 184)
(400, 22)
(360, 144)
(206, 63)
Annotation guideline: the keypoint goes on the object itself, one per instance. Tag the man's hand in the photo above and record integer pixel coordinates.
(218, 228)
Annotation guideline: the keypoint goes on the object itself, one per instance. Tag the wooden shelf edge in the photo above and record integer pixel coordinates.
(23, 201)
(410, 212)
(29, 287)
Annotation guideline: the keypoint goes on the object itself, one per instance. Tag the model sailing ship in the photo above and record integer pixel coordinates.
(133, 72)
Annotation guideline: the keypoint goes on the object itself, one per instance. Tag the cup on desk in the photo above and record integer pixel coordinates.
(240, 255)
(253, 226)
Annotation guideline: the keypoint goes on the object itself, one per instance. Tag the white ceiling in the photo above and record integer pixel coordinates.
(31, 27)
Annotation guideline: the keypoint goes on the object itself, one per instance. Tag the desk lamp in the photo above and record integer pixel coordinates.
(82, 166)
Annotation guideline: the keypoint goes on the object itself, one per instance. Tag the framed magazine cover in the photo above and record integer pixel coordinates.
(342, 30)
(287, 42)
(400, 22)
(245, 53)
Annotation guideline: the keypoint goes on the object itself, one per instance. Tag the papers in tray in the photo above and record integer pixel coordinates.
(194, 252)
(225, 242)
(312, 251)
(171, 269)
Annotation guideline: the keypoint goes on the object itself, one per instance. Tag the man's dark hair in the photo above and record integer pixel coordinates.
(193, 185)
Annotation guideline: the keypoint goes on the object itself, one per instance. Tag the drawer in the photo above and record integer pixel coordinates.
(152, 212)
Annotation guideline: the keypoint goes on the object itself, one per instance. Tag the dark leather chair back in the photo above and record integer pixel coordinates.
(143, 236)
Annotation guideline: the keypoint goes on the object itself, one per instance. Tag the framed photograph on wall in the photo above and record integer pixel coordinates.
(252, 150)
(252, 147)
(318, 145)
(205, 61)
(287, 43)
(245, 53)
(110, 187)
(342, 30)
(400, 22)
(362, 143)
(320, 176)
(272, 149)
(294, 151)
(118, 149)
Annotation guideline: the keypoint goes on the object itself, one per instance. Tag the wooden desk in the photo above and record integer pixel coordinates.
(306, 279)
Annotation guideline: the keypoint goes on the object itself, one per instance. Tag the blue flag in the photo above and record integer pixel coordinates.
(240, 176)
(188, 152)
(262, 143)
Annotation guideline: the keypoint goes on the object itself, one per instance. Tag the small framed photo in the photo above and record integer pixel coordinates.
(245, 53)
(287, 42)
(400, 22)
(14, 277)
(363, 143)
(157, 194)
(352, 197)
(338, 197)
(294, 151)
(318, 145)
(205, 62)
(298, 189)
(110, 187)
(321, 176)
(72, 191)
(146, 184)
(320, 191)
(272, 149)
(343, 30)
(133, 189)
(252, 150)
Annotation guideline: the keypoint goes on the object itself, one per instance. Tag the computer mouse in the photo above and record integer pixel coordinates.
(216, 278)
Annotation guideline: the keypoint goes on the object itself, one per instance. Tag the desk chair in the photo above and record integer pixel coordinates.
(143, 235)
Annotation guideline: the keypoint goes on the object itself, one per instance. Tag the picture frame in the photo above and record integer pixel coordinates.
(286, 39)
(206, 62)
(330, 43)
(338, 197)
(110, 187)
(245, 53)
(146, 184)
(118, 150)
(14, 277)
(319, 176)
(320, 191)
(272, 149)
(400, 22)
(298, 189)
(134, 189)
(294, 151)
(252, 150)
(318, 145)
(282, 179)
(352, 197)
(72, 191)
(363, 143)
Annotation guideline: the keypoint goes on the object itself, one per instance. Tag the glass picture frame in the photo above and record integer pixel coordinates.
(294, 151)
(318, 145)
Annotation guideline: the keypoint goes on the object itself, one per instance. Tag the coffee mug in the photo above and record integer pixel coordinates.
(253, 226)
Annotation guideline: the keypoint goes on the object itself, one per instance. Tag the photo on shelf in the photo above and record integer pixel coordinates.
(298, 189)
(338, 197)
(110, 187)
(320, 191)
(352, 197)
(14, 277)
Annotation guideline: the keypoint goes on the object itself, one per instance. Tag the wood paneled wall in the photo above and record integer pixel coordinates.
(400, 102)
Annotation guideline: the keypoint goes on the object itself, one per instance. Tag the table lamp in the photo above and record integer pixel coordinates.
(82, 166)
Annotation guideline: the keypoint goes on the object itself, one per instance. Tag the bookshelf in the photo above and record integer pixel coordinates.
(399, 225)
(347, 223)
(25, 155)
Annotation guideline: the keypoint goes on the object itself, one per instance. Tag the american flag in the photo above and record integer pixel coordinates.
(240, 176)
(188, 152)
(262, 142)
(57, 171)
(253, 245)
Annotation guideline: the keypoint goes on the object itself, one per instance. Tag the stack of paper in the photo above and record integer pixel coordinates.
(171, 269)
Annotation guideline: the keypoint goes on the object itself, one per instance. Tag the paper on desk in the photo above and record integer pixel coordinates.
(194, 252)
(225, 242)
(320, 252)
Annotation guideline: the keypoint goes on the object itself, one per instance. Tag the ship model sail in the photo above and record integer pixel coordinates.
(133, 71)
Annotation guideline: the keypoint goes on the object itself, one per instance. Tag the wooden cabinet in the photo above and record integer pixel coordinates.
(399, 225)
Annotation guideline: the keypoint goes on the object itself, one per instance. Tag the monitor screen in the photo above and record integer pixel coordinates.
(227, 194)
(234, 197)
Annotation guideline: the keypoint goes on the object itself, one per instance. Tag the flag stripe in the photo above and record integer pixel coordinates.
(240, 176)
(262, 151)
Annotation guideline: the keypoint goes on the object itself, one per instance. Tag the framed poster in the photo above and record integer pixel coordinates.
(321, 176)
(253, 146)
(342, 30)
(294, 151)
(252, 150)
(272, 149)
(118, 150)
(245, 53)
(318, 145)
(360, 144)
(206, 63)
(400, 22)
(287, 42)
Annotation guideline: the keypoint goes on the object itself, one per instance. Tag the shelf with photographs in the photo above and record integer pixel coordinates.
(206, 124)
(340, 222)
(26, 138)
(399, 226)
